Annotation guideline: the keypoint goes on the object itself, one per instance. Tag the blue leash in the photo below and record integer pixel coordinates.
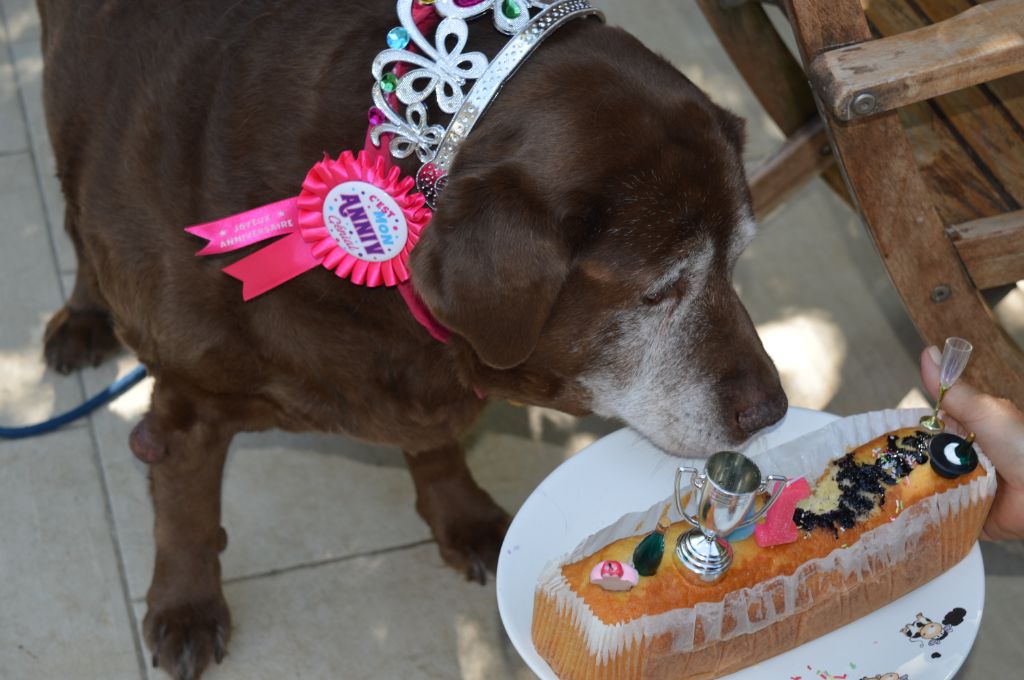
(113, 391)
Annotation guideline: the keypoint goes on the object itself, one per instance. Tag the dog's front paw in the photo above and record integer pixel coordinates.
(75, 339)
(474, 546)
(469, 528)
(184, 638)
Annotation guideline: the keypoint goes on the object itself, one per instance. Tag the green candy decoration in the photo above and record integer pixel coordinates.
(648, 553)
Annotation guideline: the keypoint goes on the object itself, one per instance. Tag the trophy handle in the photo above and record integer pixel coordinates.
(780, 484)
(696, 481)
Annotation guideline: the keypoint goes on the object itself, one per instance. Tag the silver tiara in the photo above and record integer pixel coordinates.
(435, 70)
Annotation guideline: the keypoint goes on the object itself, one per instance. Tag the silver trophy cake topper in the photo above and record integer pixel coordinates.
(725, 493)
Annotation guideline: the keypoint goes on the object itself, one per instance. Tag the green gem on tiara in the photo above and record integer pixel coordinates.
(511, 9)
(389, 82)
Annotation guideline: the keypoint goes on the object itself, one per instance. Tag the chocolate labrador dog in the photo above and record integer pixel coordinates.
(581, 256)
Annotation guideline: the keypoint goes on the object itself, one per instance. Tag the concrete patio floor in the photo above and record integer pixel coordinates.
(330, 573)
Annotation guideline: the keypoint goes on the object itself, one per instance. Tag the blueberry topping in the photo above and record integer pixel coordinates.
(863, 485)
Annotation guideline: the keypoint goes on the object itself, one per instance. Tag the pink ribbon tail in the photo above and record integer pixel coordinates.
(272, 265)
(244, 229)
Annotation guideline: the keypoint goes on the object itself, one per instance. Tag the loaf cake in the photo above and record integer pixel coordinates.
(878, 523)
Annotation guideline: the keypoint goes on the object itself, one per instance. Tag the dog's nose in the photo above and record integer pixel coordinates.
(766, 412)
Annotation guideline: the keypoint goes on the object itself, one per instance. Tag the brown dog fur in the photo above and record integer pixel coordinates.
(597, 165)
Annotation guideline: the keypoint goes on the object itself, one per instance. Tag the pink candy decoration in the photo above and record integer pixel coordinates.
(613, 575)
(778, 527)
(376, 116)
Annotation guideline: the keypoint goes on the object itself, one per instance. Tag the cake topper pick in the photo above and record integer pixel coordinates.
(954, 358)
(725, 492)
(648, 553)
(953, 456)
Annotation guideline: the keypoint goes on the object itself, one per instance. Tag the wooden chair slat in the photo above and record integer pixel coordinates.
(1007, 92)
(762, 58)
(992, 249)
(801, 158)
(774, 76)
(960, 189)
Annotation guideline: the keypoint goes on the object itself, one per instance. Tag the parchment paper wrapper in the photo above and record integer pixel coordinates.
(865, 560)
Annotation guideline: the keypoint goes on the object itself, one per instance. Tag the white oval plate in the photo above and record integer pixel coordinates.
(623, 472)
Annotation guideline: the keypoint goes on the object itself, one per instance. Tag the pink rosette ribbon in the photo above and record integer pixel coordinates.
(361, 218)
(357, 216)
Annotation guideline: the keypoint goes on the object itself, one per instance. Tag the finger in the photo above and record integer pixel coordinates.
(930, 369)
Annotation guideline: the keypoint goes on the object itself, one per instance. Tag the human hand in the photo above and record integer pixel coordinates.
(999, 428)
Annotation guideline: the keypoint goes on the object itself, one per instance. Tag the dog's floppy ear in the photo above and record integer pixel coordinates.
(491, 264)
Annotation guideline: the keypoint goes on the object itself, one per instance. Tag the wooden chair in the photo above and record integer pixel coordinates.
(913, 110)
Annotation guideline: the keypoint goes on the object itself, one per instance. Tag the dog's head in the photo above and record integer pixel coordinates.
(584, 247)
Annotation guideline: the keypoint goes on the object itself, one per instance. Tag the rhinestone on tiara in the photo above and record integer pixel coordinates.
(443, 70)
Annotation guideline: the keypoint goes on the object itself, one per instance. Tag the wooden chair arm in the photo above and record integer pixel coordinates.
(983, 43)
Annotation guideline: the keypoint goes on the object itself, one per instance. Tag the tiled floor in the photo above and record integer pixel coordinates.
(330, 573)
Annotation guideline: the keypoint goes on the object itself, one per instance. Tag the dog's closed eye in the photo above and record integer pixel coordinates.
(675, 289)
(654, 297)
